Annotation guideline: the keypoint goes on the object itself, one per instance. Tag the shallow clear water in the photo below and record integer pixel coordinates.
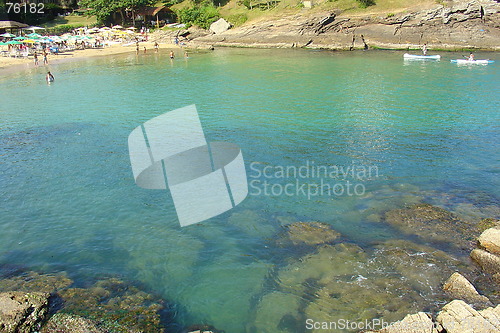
(69, 202)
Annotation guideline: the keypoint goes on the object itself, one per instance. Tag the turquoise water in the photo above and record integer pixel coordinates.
(69, 202)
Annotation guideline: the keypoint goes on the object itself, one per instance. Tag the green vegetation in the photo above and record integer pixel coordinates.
(201, 15)
(65, 24)
(104, 9)
(366, 3)
(237, 19)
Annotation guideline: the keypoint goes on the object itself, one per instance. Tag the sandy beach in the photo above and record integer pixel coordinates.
(9, 64)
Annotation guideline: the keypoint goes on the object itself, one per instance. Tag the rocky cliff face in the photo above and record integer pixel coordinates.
(471, 24)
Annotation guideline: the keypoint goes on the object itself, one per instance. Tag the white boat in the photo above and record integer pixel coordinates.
(407, 56)
(478, 62)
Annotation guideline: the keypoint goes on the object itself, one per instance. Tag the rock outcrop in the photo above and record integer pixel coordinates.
(419, 322)
(463, 24)
(459, 317)
(490, 240)
(22, 312)
(458, 287)
(487, 256)
(455, 317)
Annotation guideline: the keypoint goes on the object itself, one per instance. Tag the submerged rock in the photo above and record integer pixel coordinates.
(424, 268)
(431, 223)
(35, 282)
(458, 287)
(277, 312)
(343, 281)
(115, 305)
(22, 312)
(67, 323)
(308, 233)
(321, 267)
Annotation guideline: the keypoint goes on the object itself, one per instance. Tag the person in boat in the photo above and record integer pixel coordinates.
(471, 57)
(424, 49)
(49, 77)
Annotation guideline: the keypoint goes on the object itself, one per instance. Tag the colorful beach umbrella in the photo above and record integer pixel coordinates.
(20, 38)
(29, 41)
(2, 43)
(13, 42)
(8, 35)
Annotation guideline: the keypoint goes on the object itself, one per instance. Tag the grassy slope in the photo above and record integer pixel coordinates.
(71, 20)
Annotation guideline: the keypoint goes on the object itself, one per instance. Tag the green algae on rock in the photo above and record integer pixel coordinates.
(277, 312)
(67, 323)
(35, 282)
(432, 223)
(115, 305)
(308, 233)
(329, 261)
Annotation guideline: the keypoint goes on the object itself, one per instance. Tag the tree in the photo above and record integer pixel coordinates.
(103, 9)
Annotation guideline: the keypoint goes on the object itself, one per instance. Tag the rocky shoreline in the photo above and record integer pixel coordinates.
(456, 25)
(431, 273)
(469, 311)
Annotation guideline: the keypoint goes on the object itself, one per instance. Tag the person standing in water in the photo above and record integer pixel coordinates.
(45, 60)
(172, 55)
(424, 49)
(35, 56)
(156, 46)
(49, 77)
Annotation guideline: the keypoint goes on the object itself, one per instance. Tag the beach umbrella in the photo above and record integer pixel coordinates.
(34, 35)
(117, 27)
(14, 42)
(29, 41)
(131, 28)
(8, 35)
(20, 38)
(2, 43)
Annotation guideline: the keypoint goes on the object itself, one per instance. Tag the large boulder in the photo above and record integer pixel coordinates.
(459, 317)
(490, 240)
(22, 312)
(219, 26)
(458, 287)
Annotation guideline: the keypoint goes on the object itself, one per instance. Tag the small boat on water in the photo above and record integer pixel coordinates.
(408, 56)
(472, 62)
